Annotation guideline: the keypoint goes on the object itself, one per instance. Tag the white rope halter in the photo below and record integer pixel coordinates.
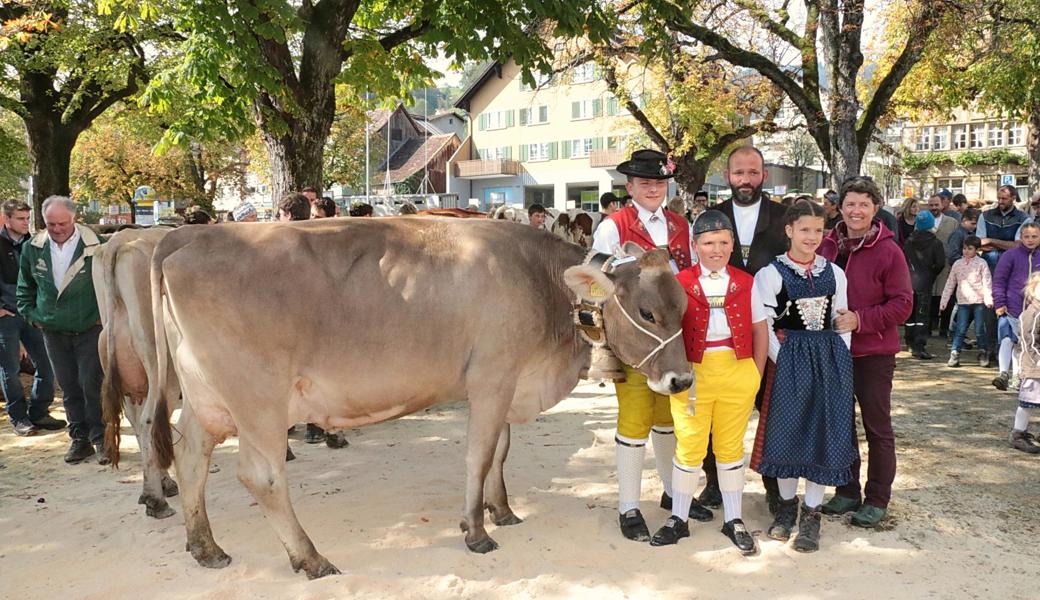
(661, 343)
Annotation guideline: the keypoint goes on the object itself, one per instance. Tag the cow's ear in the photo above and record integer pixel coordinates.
(589, 283)
(633, 249)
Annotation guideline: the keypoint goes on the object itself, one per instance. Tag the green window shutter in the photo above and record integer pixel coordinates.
(613, 104)
(565, 152)
(482, 122)
(612, 142)
(523, 152)
(597, 143)
(509, 118)
(552, 150)
(525, 116)
(543, 114)
(597, 107)
(507, 152)
(575, 110)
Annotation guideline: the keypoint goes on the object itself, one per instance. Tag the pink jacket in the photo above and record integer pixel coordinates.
(973, 283)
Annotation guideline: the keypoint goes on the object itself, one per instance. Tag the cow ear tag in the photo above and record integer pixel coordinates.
(596, 290)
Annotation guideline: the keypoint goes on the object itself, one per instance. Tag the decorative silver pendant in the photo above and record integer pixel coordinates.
(813, 311)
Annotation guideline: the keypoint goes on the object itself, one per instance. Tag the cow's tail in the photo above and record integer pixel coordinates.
(162, 436)
(111, 394)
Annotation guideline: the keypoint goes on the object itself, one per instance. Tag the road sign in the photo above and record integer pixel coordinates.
(1007, 179)
(779, 190)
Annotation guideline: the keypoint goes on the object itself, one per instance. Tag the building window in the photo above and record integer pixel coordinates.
(541, 81)
(584, 73)
(977, 136)
(538, 152)
(960, 137)
(499, 153)
(534, 115)
(1014, 134)
(940, 138)
(617, 142)
(586, 109)
(498, 119)
(955, 186)
(580, 148)
(996, 136)
(924, 139)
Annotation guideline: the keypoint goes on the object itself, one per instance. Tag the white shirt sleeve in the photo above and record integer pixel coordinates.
(769, 283)
(758, 308)
(606, 239)
(841, 300)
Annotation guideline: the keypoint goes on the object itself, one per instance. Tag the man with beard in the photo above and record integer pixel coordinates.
(759, 225)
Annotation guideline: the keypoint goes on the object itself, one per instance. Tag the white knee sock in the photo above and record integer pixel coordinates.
(1022, 418)
(684, 484)
(664, 450)
(1004, 356)
(1015, 353)
(814, 493)
(731, 484)
(630, 455)
(788, 487)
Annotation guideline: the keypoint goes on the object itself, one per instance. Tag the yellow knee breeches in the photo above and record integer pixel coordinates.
(724, 393)
(639, 407)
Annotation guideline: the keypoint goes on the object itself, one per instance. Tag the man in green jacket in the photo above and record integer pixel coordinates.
(56, 294)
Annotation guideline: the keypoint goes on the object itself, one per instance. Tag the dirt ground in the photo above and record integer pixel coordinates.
(964, 521)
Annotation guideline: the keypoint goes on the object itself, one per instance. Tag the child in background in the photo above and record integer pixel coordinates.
(1029, 393)
(970, 275)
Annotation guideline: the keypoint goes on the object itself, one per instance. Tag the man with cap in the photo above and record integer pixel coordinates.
(244, 212)
(946, 196)
(832, 216)
(727, 343)
(642, 413)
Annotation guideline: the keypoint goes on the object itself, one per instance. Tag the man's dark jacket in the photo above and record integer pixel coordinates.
(770, 238)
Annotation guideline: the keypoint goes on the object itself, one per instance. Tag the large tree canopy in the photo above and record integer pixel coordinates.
(275, 63)
(782, 43)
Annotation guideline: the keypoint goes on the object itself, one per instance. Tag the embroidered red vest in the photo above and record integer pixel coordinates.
(737, 306)
(631, 229)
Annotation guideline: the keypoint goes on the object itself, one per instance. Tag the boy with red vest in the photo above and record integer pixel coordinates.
(727, 342)
(643, 413)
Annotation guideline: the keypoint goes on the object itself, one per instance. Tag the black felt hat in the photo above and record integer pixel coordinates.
(711, 220)
(648, 164)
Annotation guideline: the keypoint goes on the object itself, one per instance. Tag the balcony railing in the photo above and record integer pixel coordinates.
(606, 158)
(476, 169)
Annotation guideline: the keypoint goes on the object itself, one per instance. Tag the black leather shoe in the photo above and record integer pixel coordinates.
(315, 434)
(697, 512)
(711, 497)
(23, 428)
(79, 451)
(808, 538)
(740, 536)
(633, 526)
(102, 457)
(674, 529)
(49, 423)
(773, 501)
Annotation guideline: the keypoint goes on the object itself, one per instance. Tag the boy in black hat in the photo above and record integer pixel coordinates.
(642, 413)
(727, 343)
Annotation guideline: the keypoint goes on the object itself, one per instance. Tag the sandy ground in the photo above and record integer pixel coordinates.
(964, 520)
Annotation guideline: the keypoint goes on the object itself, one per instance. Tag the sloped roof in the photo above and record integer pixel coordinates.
(411, 157)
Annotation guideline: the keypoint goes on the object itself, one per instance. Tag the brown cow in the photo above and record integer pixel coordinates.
(421, 310)
(127, 351)
(458, 213)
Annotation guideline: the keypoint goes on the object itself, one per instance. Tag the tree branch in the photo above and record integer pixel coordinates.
(761, 16)
(610, 76)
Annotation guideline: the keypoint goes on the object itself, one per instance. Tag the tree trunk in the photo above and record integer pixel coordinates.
(296, 152)
(50, 152)
(1033, 147)
(690, 174)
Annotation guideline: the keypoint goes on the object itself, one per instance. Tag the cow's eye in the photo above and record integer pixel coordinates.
(647, 315)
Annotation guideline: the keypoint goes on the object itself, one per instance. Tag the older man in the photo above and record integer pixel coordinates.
(56, 294)
(15, 331)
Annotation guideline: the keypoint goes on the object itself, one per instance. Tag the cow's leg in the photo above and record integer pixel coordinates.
(153, 496)
(489, 399)
(173, 392)
(192, 454)
(495, 498)
(261, 469)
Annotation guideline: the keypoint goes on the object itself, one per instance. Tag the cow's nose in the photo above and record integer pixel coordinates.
(678, 383)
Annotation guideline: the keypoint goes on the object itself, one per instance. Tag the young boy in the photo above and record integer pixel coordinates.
(970, 275)
(727, 342)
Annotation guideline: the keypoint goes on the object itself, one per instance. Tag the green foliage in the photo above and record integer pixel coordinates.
(14, 157)
(913, 162)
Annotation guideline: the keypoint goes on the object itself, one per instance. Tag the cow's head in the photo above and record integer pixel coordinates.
(643, 306)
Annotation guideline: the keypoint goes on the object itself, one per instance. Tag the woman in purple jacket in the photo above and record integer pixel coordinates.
(1009, 284)
(880, 298)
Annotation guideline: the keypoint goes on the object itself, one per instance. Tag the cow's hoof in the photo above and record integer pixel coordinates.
(169, 487)
(505, 520)
(482, 546)
(214, 558)
(162, 511)
(319, 567)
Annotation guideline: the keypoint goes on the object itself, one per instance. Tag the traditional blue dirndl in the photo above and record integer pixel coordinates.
(809, 430)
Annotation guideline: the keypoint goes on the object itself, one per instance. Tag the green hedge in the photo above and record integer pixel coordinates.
(970, 158)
